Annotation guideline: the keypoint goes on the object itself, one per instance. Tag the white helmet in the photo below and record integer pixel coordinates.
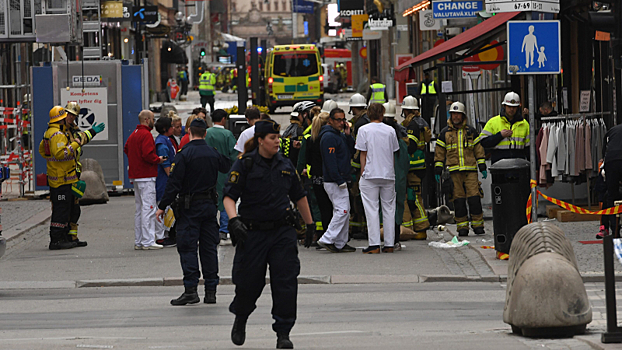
(410, 102)
(457, 107)
(329, 105)
(295, 112)
(389, 110)
(358, 100)
(511, 99)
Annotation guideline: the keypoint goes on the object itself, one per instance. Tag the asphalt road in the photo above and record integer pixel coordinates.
(392, 316)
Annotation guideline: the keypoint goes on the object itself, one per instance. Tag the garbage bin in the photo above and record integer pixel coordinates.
(510, 192)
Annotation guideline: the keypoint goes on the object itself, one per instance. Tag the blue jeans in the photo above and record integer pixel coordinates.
(224, 222)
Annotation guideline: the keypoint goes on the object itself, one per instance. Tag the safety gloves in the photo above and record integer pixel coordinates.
(238, 231)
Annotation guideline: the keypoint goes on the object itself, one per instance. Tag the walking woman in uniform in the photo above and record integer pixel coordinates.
(263, 233)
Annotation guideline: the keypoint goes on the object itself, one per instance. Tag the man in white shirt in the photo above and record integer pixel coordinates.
(252, 115)
(377, 143)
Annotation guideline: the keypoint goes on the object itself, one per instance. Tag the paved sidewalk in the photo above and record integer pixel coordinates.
(111, 259)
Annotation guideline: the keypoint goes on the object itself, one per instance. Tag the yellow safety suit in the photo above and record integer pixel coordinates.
(458, 148)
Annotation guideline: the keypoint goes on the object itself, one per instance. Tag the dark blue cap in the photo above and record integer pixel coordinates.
(267, 126)
(199, 123)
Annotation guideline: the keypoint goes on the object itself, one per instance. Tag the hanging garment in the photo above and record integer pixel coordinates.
(543, 148)
(562, 150)
(551, 156)
(588, 148)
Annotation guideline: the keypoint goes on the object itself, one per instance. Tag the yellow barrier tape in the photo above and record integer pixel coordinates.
(573, 208)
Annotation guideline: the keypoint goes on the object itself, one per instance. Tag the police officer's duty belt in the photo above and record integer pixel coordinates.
(256, 225)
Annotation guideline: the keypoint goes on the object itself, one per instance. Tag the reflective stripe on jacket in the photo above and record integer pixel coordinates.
(206, 83)
(428, 89)
(459, 149)
(59, 150)
(377, 93)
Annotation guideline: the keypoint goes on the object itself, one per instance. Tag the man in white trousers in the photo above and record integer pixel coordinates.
(142, 170)
(337, 148)
(377, 142)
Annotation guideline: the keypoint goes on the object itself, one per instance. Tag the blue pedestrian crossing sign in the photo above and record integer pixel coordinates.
(534, 47)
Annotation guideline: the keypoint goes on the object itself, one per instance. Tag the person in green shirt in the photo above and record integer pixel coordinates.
(224, 142)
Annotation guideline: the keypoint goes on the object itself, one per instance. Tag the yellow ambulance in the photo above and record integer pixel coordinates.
(293, 73)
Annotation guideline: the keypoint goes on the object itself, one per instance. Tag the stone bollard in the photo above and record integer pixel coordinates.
(545, 295)
(96, 191)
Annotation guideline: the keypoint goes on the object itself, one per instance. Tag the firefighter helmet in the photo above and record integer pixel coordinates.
(329, 105)
(302, 107)
(511, 99)
(358, 100)
(410, 102)
(73, 107)
(57, 113)
(389, 110)
(457, 107)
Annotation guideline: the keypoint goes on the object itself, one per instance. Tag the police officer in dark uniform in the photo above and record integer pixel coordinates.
(193, 177)
(263, 231)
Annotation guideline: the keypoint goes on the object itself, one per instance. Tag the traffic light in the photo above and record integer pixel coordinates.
(203, 52)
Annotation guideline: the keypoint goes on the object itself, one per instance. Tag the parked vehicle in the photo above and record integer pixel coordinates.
(293, 73)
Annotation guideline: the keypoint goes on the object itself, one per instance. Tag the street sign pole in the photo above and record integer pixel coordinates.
(532, 142)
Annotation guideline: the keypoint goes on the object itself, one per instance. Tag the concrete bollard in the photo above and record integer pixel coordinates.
(545, 295)
(96, 191)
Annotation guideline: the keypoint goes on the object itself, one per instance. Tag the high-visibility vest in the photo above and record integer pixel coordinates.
(206, 82)
(520, 132)
(428, 89)
(377, 93)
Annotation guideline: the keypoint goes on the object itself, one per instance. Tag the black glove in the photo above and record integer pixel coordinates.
(237, 229)
(309, 235)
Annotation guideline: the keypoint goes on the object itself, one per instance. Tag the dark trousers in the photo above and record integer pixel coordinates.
(198, 224)
(64, 209)
(279, 249)
(613, 175)
(184, 87)
(208, 99)
(325, 205)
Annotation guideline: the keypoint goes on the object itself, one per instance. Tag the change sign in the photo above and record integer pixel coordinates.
(457, 9)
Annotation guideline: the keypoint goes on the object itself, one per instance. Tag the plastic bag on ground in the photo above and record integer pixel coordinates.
(454, 243)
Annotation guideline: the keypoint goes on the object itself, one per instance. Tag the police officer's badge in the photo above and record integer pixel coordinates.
(233, 177)
(172, 167)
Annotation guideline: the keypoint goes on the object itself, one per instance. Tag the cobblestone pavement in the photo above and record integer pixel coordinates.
(463, 260)
(16, 212)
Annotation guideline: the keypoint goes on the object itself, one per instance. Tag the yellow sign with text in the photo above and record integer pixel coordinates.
(358, 22)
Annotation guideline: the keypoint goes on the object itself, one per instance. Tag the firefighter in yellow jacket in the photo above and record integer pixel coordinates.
(419, 134)
(73, 110)
(59, 147)
(458, 148)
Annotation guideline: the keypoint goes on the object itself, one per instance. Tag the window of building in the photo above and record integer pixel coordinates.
(284, 6)
(268, 6)
(233, 7)
(276, 6)
(260, 6)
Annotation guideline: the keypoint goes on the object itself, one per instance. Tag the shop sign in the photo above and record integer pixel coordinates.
(86, 80)
(358, 23)
(456, 9)
(349, 8)
(112, 9)
(147, 14)
(584, 105)
(380, 24)
(93, 107)
(550, 6)
(303, 6)
(369, 34)
(427, 21)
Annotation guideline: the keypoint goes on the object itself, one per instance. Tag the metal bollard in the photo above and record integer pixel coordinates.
(545, 295)
(613, 333)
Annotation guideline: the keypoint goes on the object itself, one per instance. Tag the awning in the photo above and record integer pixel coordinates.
(472, 37)
(231, 38)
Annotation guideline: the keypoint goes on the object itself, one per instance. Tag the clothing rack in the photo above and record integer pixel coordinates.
(576, 116)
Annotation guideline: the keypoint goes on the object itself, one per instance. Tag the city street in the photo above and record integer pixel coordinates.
(108, 295)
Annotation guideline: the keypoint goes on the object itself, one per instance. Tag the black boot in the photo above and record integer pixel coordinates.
(190, 296)
(238, 332)
(210, 297)
(479, 230)
(463, 232)
(59, 243)
(78, 242)
(283, 342)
